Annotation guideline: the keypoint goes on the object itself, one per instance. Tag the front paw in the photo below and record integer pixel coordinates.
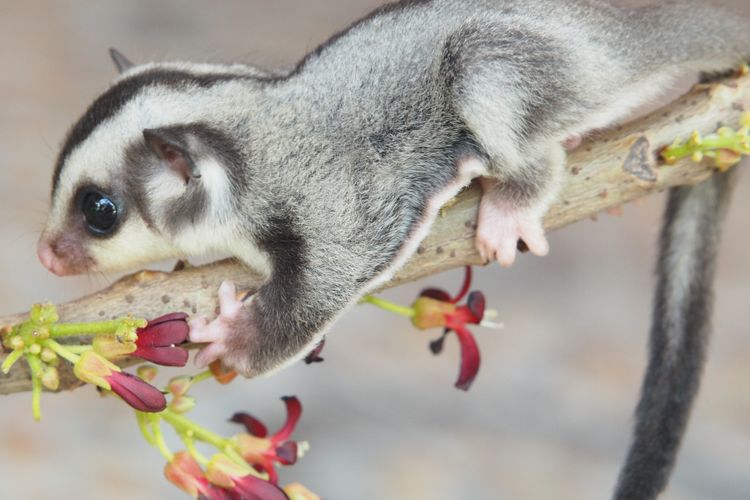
(220, 332)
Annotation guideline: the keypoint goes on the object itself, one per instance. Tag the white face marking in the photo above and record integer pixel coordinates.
(214, 178)
(101, 159)
(133, 245)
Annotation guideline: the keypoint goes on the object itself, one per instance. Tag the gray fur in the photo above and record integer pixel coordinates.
(679, 333)
(328, 170)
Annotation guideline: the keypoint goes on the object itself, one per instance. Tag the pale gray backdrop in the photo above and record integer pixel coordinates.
(549, 415)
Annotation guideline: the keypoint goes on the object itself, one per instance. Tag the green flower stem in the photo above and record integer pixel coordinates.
(389, 306)
(11, 360)
(155, 421)
(79, 349)
(61, 351)
(76, 329)
(35, 364)
(184, 426)
(142, 420)
(201, 377)
(190, 446)
(708, 144)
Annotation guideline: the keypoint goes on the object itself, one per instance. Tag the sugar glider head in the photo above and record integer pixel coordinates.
(144, 174)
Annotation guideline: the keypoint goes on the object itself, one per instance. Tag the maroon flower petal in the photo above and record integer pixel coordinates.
(476, 303)
(470, 358)
(165, 356)
(210, 492)
(168, 317)
(287, 453)
(157, 341)
(252, 424)
(254, 488)
(168, 330)
(137, 393)
(437, 294)
(293, 413)
(471, 313)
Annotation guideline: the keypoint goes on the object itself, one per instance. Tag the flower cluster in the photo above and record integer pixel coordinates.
(242, 467)
(41, 341)
(436, 308)
(725, 147)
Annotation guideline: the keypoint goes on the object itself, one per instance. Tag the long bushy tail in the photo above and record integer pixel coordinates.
(679, 334)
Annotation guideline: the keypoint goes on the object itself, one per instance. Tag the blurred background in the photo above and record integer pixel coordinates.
(549, 416)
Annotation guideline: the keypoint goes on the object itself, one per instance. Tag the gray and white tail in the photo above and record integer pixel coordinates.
(689, 36)
(679, 334)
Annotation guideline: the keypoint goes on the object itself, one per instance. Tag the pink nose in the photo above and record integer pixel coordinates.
(49, 260)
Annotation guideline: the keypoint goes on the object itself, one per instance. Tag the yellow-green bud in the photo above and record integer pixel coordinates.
(147, 372)
(16, 342)
(41, 333)
(179, 385)
(695, 139)
(44, 314)
(182, 404)
(51, 378)
(48, 355)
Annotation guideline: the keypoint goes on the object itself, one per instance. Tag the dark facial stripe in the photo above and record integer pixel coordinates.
(113, 100)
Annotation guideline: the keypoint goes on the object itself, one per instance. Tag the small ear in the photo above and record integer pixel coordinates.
(168, 148)
(122, 63)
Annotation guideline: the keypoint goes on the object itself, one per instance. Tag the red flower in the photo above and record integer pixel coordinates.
(234, 478)
(254, 488)
(95, 369)
(158, 341)
(263, 452)
(137, 393)
(435, 307)
(185, 473)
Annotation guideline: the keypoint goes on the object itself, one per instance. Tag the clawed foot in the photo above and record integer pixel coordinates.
(501, 227)
(217, 332)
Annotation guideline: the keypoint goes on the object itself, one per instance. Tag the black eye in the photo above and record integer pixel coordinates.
(100, 212)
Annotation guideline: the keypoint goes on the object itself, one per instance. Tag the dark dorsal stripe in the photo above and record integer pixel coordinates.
(115, 98)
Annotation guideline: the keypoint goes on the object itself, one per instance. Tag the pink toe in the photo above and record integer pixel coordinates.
(506, 254)
(198, 322)
(228, 302)
(204, 334)
(536, 242)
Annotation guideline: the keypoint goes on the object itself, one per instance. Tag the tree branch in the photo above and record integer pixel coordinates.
(615, 167)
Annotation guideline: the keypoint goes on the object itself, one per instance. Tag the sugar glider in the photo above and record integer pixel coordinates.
(327, 175)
